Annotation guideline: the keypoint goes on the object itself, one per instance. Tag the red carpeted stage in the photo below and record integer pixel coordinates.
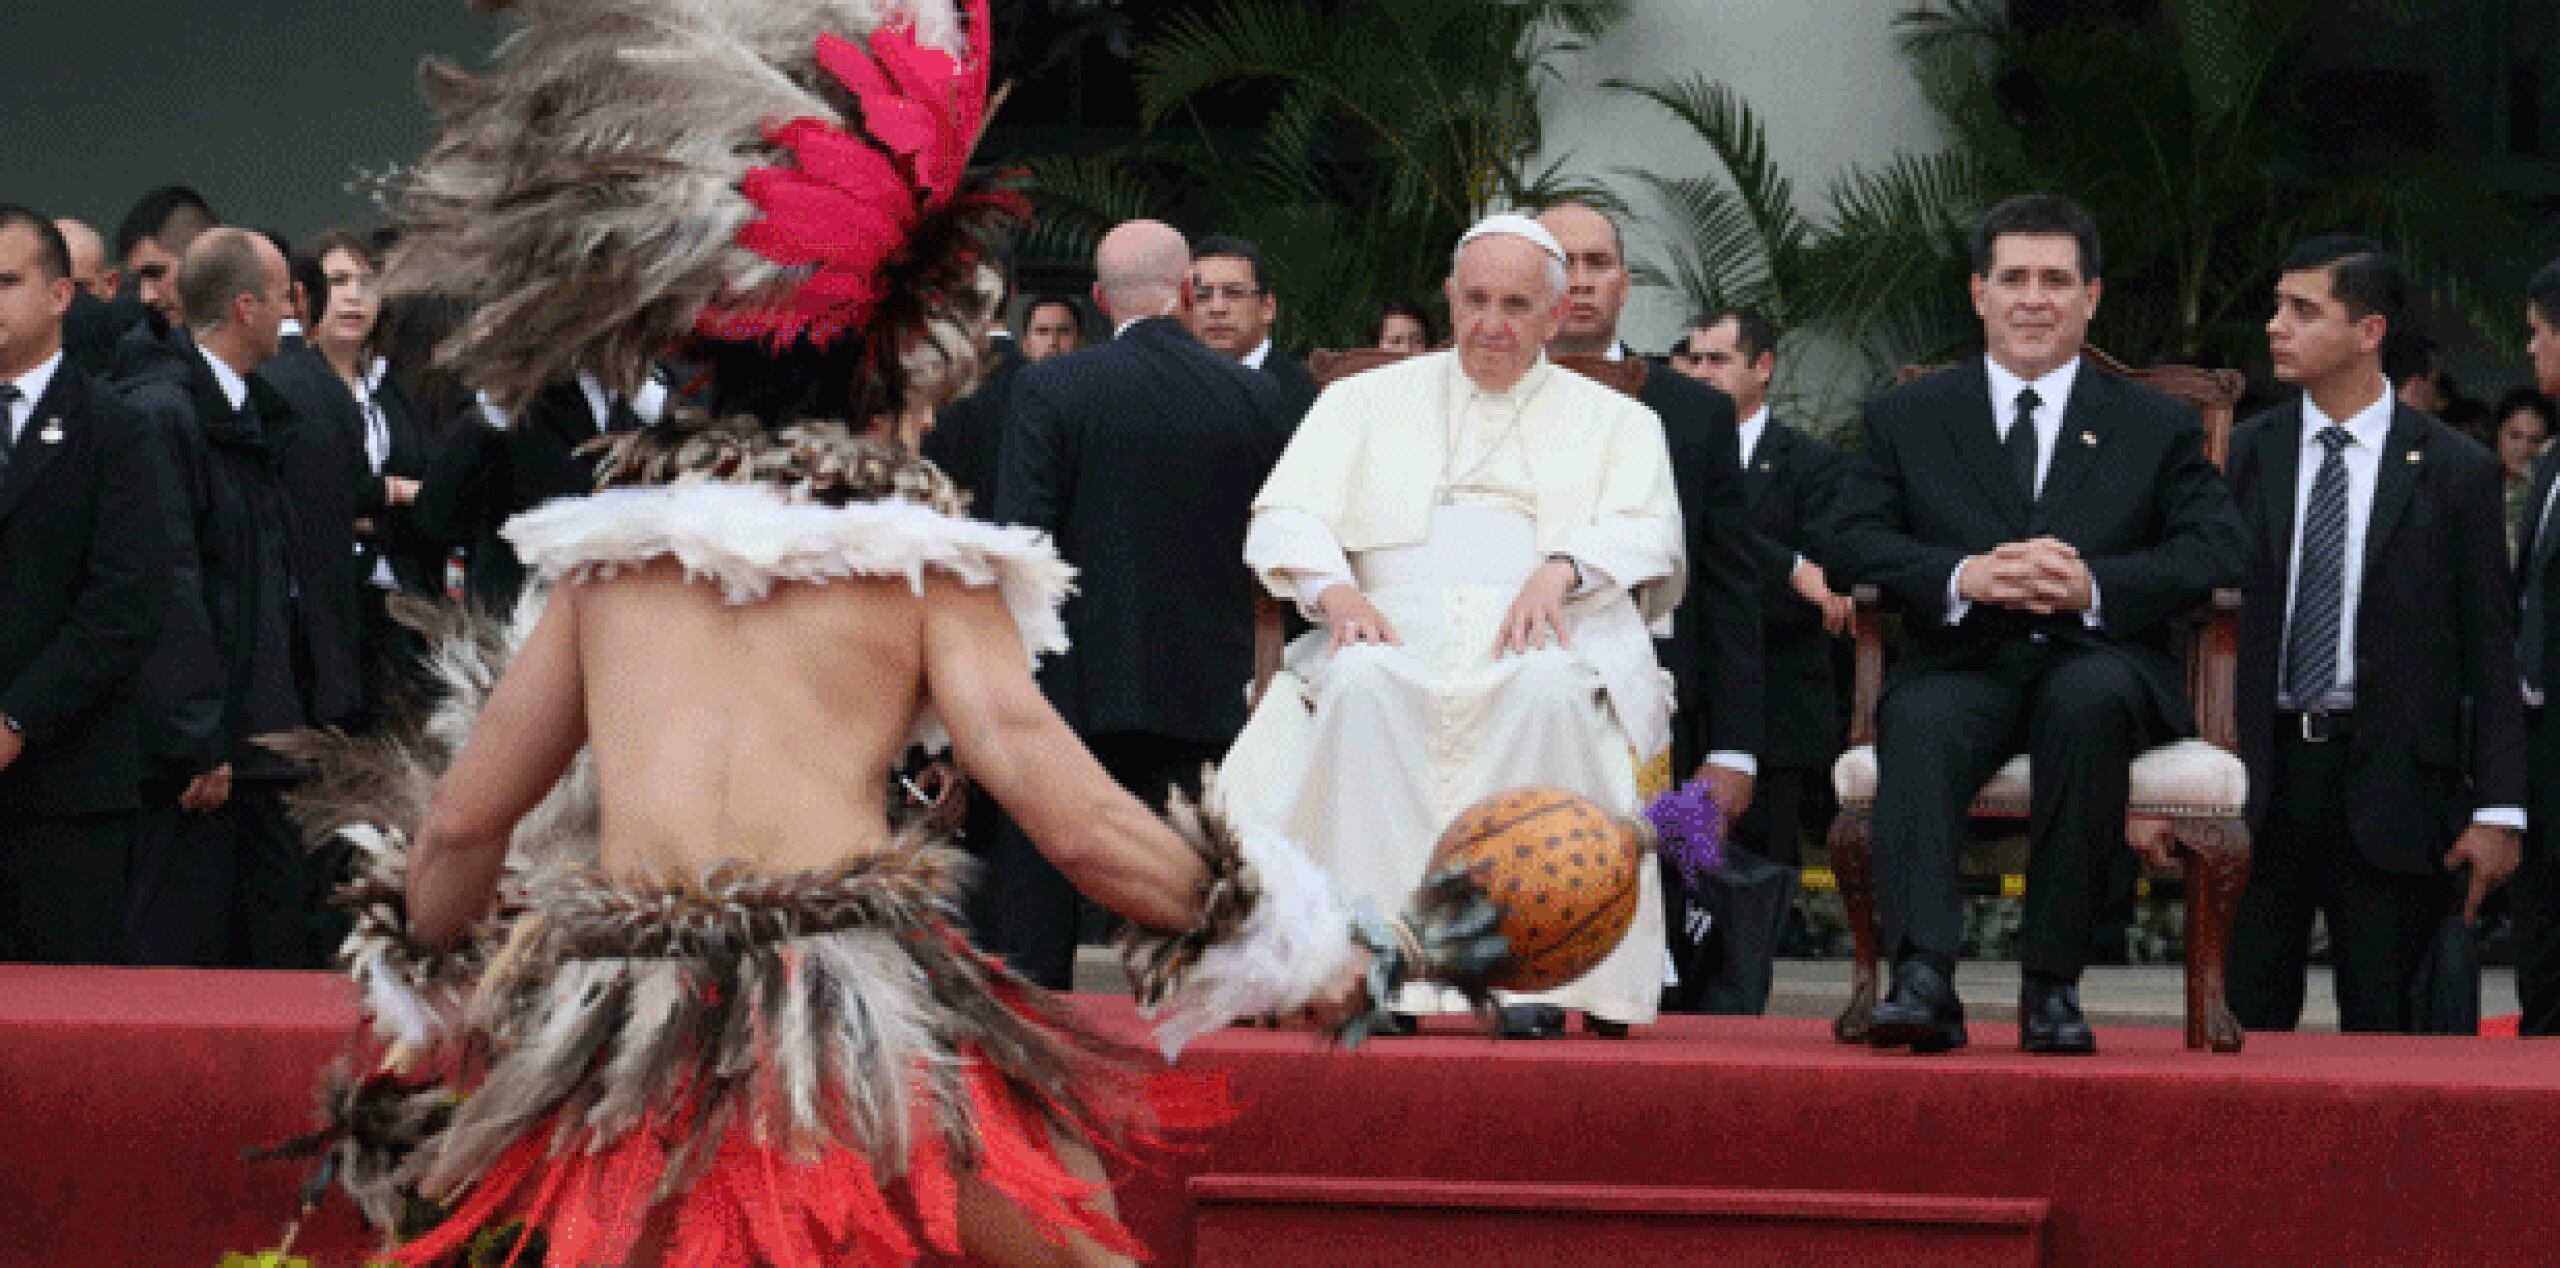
(129, 1095)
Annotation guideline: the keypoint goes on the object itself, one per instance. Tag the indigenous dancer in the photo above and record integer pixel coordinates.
(665, 983)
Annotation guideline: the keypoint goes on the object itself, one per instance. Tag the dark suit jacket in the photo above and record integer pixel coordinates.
(92, 328)
(1297, 387)
(2439, 723)
(2128, 486)
(319, 449)
(1714, 652)
(2534, 549)
(1790, 486)
(1142, 457)
(83, 563)
(967, 440)
(241, 655)
(479, 477)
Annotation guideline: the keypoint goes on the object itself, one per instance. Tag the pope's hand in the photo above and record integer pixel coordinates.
(1536, 618)
(1350, 618)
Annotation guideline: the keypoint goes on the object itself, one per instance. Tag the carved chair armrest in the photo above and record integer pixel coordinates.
(2213, 663)
(1267, 645)
(1868, 683)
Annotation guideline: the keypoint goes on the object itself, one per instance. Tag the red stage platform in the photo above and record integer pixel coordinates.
(129, 1094)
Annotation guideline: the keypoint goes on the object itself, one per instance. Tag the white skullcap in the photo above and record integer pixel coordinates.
(1516, 226)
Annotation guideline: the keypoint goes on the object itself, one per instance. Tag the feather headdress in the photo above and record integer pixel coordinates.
(777, 188)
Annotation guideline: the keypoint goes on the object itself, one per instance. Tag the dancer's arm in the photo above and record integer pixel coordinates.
(532, 727)
(1008, 739)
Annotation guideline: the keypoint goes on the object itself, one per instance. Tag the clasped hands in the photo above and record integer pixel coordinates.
(1536, 618)
(2043, 576)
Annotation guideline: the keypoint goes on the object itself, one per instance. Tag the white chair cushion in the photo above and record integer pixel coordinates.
(2186, 779)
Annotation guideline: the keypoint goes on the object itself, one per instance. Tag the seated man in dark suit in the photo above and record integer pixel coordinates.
(83, 559)
(2377, 697)
(2039, 523)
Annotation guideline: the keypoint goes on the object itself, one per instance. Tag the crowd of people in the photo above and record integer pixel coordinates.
(230, 459)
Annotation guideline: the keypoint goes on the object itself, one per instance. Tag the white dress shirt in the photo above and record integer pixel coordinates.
(31, 386)
(2053, 396)
(1750, 432)
(235, 389)
(1261, 352)
(2369, 427)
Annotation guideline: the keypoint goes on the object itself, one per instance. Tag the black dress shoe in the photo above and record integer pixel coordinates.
(1921, 1011)
(1603, 1028)
(2049, 1019)
(1530, 1021)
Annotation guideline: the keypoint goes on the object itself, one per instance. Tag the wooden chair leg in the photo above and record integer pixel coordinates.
(2217, 862)
(1852, 854)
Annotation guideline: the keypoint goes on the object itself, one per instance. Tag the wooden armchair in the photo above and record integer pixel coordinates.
(1331, 365)
(2198, 786)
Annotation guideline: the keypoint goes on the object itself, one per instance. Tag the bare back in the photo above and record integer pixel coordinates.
(759, 732)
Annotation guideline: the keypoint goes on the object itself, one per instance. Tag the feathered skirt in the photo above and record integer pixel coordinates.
(789, 1070)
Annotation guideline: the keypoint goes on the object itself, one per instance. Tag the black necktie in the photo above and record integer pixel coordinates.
(2021, 443)
(9, 398)
(2320, 583)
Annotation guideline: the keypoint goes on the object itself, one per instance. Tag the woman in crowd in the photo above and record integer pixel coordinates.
(339, 272)
(2526, 421)
(1403, 327)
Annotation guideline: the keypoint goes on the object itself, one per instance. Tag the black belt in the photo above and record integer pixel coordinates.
(2316, 726)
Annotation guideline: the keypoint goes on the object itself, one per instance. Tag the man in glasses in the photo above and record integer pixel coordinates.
(1232, 311)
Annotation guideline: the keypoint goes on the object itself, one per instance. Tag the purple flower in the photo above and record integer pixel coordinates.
(1691, 827)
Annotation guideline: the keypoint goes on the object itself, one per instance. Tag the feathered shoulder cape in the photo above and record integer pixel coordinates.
(745, 510)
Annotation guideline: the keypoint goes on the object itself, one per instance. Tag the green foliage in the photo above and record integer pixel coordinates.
(2184, 137)
(1393, 126)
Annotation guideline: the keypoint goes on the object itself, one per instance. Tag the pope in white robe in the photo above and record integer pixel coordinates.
(1484, 539)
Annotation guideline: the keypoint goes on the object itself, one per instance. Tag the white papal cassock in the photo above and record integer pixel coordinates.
(1438, 499)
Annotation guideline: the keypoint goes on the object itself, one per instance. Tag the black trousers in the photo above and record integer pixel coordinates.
(1024, 909)
(62, 887)
(286, 921)
(2304, 862)
(183, 907)
(2533, 894)
(2080, 714)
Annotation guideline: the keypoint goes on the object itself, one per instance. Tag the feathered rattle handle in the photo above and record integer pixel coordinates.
(1688, 828)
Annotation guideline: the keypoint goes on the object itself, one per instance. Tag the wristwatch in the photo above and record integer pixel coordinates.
(1567, 561)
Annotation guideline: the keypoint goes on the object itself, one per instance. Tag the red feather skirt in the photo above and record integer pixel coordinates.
(777, 1072)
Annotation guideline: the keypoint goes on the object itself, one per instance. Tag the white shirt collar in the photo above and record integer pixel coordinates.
(31, 386)
(235, 389)
(1260, 353)
(2052, 391)
(288, 329)
(599, 402)
(2369, 425)
(1752, 429)
(1617, 351)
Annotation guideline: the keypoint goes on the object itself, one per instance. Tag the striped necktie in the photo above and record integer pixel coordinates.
(2320, 583)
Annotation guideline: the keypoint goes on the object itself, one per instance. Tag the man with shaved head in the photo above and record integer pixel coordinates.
(220, 875)
(1483, 538)
(1140, 456)
(91, 326)
(89, 268)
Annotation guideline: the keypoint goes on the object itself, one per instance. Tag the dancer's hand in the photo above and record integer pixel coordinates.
(1350, 618)
(2150, 837)
(1345, 997)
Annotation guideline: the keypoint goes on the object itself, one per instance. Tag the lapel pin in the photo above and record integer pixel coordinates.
(2089, 438)
(1768, 466)
(2413, 457)
(52, 433)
